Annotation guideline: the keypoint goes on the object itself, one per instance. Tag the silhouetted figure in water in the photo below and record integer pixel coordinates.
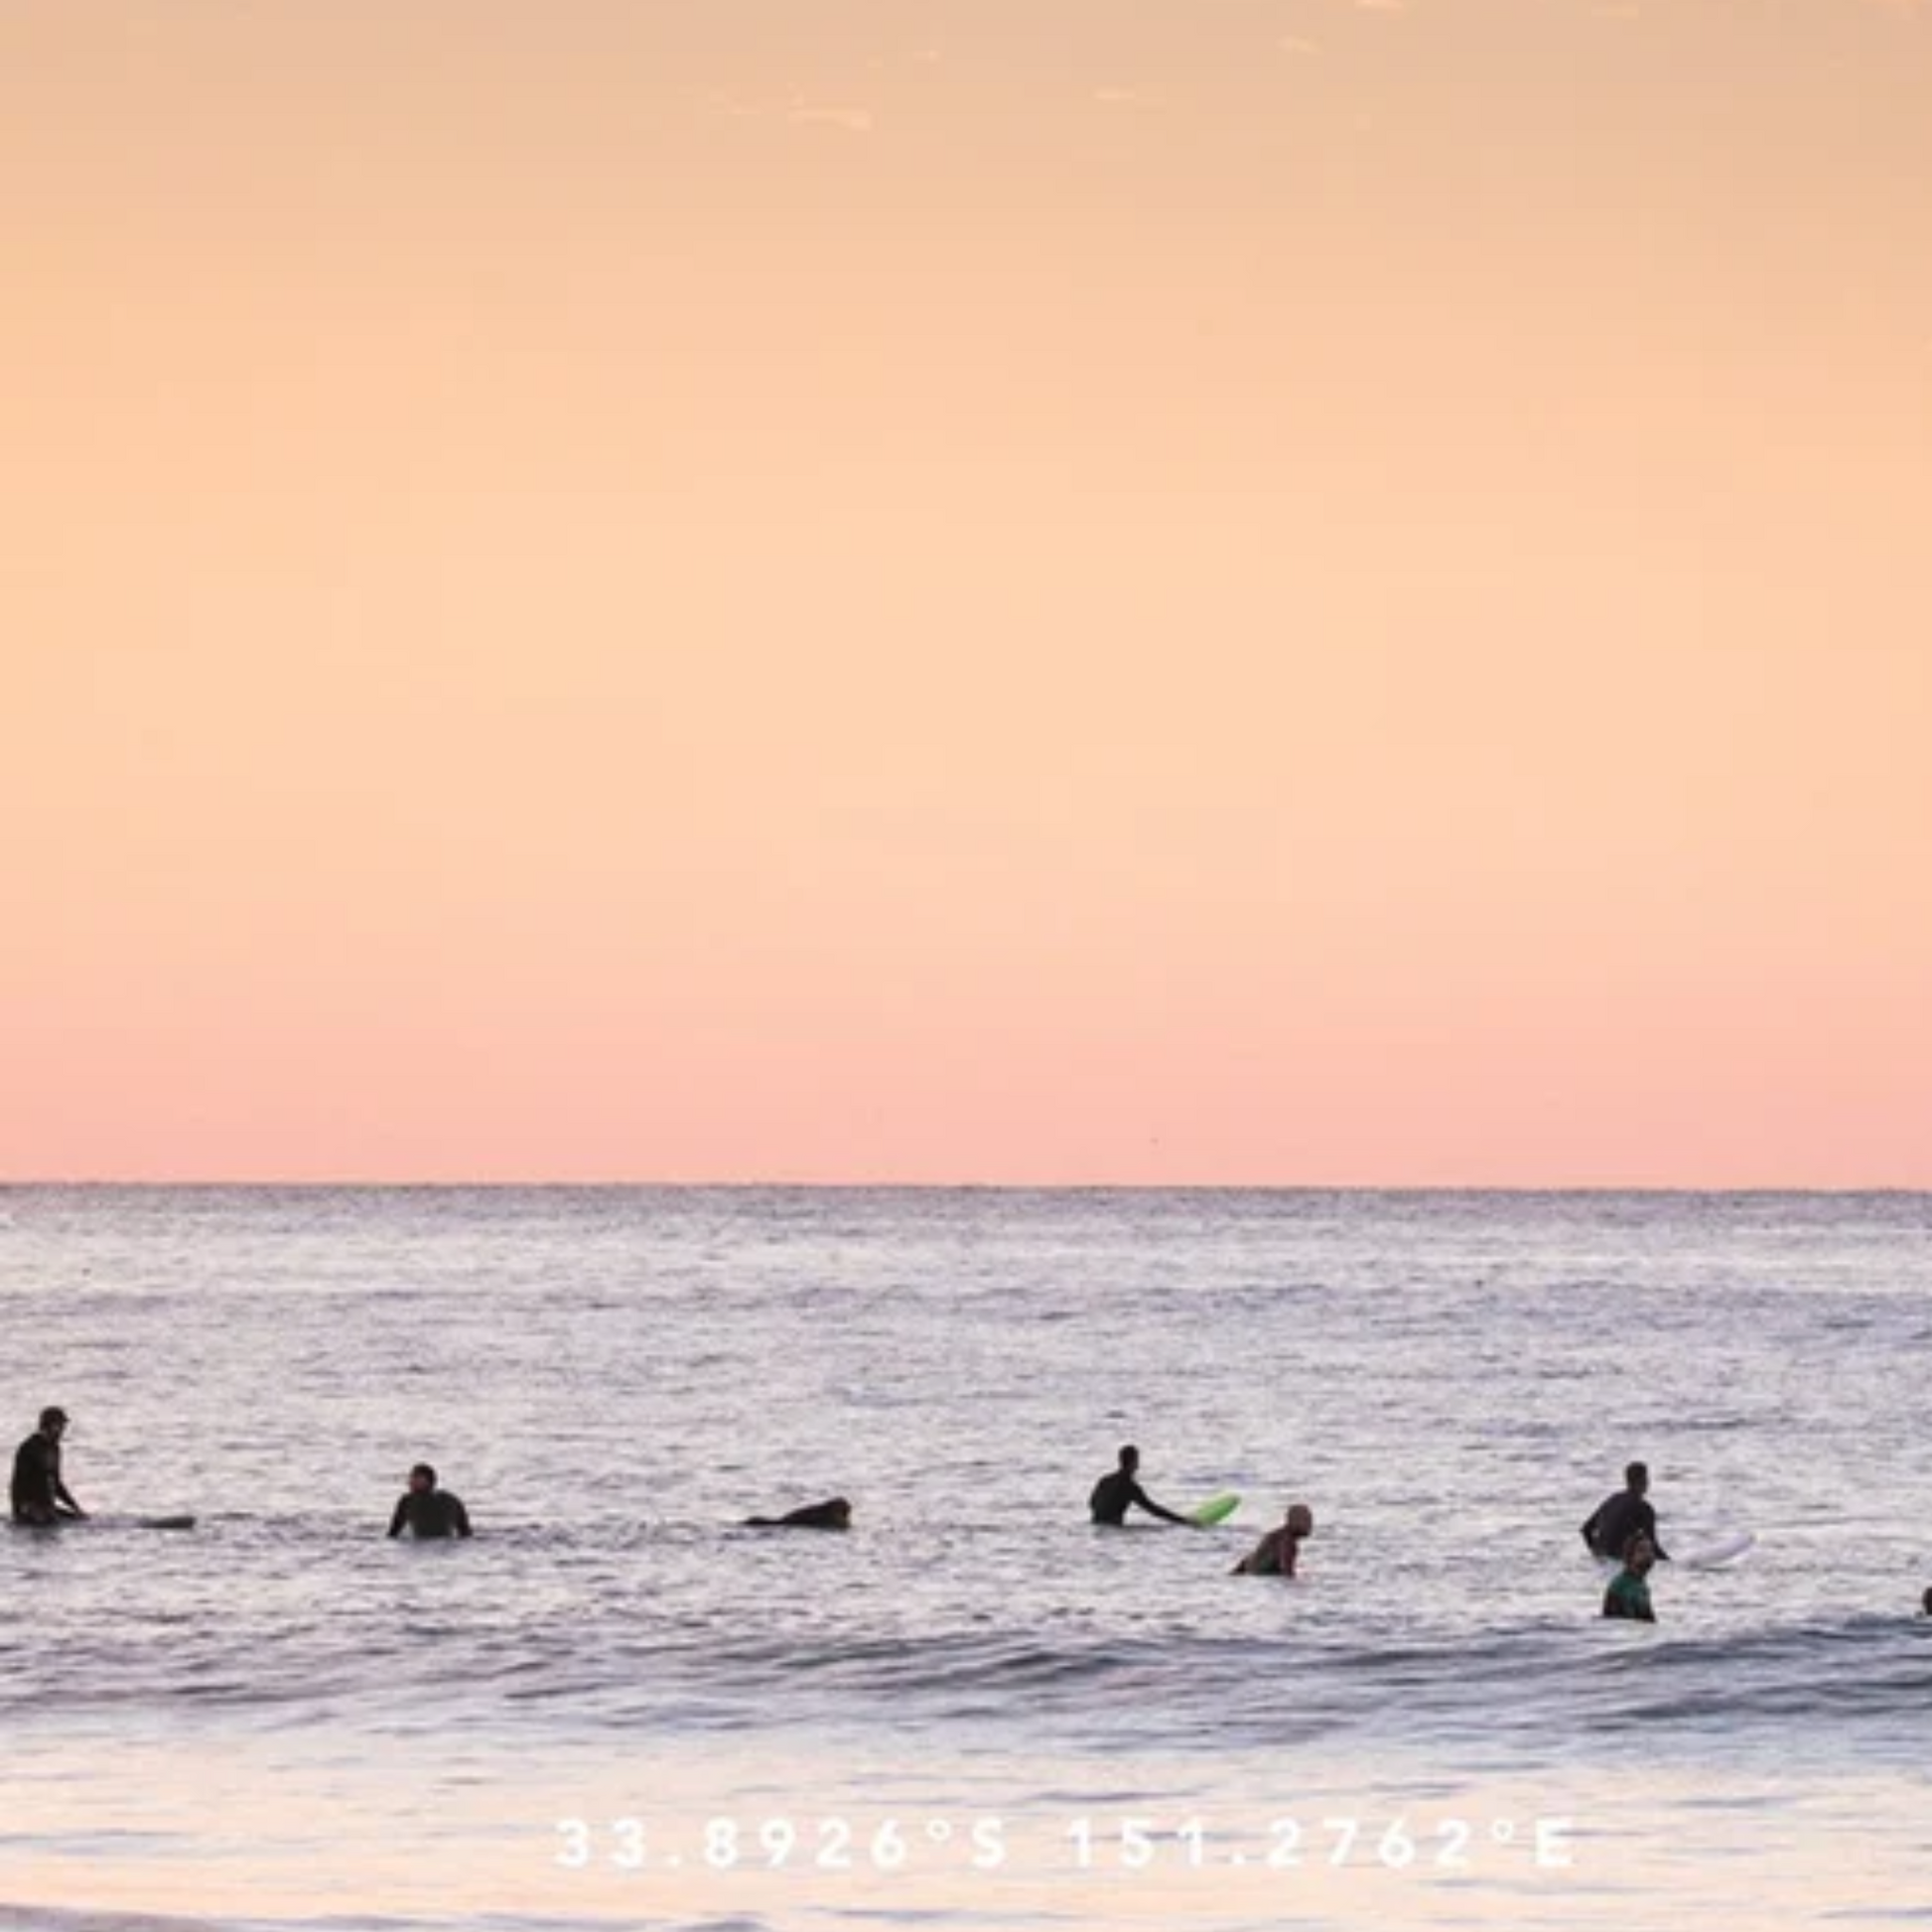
(40, 1496)
(1275, 1554)
(1624, 1515)
(833, 1515)
(1114, 1494)
(1629, 1593)
(426, 1511)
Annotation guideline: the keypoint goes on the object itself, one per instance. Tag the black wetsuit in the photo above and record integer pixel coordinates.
(813, 1516)
(1617, 1521)
(1113, 1495)
(435, 1512)
(37, 1491)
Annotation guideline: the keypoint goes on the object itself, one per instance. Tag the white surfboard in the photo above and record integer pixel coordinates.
(1727, 1547)
(1718, 1551)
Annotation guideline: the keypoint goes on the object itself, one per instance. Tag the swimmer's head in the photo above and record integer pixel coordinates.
(53, 1421)
(1130, 1458)
(1636, 1478)
(837, 1513)
(422, 1480)
(1925, 1604)
(1639, 1557)
(1300, 1520)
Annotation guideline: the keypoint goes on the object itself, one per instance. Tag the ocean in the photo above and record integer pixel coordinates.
(974, 1711)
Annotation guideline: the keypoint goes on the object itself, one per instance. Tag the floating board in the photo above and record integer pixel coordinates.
(113, 1523)
(1723, 1549)
(1218, 1509)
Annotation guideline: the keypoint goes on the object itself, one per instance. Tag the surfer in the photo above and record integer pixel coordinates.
(40, 1496)
(1274, 1555)
(1629, 1594)
(424, 1510)
(833, 1515)
(1625, 1515)
(1114, 1494)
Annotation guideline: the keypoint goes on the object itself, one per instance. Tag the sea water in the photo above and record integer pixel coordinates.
(973, 1711)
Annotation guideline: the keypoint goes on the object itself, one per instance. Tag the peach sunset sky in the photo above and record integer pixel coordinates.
(974, 589)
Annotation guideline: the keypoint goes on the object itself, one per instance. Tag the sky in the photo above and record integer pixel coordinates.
(1237, 591)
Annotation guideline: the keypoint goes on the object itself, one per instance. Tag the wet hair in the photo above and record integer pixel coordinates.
(1636, 1474)
(51, 1418)
(1128, 1453)
(423, 1470)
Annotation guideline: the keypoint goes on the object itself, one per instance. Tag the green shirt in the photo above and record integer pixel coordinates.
(1629, 1596)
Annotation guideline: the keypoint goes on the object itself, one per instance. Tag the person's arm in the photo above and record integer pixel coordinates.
(461, 1516)
(1650, 1530)
(1590, 1528)
(1152, 1508)
(400, 1517)
(65, 1503)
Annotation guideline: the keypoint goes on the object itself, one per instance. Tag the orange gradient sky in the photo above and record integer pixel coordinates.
(1244, 591)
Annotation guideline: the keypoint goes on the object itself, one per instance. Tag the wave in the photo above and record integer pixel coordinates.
(1534, 1684)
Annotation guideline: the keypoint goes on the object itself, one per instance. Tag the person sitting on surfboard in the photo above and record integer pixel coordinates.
(424, 1510)
(1629, 1594)
(1625, 1515)
(1274, 1555)
(833, 1515)
(39, 1494)
(1114, 1494)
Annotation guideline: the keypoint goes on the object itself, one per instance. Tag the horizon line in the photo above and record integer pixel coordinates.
(556, 1185)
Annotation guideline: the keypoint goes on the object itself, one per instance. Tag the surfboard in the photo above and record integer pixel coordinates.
(1216, 1509)
(113, 1523)
(1726, 1548)
(1717, 1552)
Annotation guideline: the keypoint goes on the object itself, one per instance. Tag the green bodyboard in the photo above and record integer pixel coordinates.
(1218, 1509)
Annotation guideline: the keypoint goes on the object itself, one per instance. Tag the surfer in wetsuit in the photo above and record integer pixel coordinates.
(1629, 1594)
(1114, 1494)
(40, 1496)
(833, 1515)
(1625, 1515)
(424, 1510)
(1275, 1554)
